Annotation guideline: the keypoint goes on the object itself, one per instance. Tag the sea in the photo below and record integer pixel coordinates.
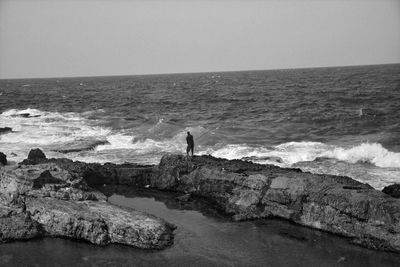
(337, 120)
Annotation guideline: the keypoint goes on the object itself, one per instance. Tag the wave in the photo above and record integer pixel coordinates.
(290, 153)
(373, 153)
(36, 127)
(56, 131)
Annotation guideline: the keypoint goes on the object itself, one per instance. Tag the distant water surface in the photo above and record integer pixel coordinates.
(342, 120)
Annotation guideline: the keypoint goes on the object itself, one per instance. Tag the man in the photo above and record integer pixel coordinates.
(190, 143)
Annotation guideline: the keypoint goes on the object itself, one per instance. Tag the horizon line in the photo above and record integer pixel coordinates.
(196, 72)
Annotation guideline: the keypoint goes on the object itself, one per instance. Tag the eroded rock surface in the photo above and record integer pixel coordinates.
(48, 200)
(245, 190)
(242, 189)
(392, 190)
(3, 159)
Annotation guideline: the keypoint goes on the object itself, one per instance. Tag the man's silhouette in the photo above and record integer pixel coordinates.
(190, 143)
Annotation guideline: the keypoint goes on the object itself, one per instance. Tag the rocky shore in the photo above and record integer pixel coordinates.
(40, 198)
(55, 197)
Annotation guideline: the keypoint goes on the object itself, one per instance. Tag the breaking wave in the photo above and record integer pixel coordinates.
(293, 152)
(52, 130)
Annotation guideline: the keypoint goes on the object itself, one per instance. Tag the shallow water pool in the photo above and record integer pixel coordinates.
(203, 238)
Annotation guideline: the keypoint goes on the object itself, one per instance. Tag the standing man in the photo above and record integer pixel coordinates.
(190, 143)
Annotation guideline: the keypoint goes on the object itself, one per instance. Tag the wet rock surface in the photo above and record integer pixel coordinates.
(48, 200)
(240, 189)
(3, 159)
(80, 145)
(4, 130)
(392, 190)
(335, 204)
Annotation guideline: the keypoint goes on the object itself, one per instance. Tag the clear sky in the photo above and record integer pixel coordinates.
(54, 38)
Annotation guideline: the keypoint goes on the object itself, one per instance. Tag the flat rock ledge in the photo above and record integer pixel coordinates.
(46, 200)
(335, 204)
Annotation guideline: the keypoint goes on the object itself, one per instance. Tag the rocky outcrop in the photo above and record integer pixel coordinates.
(4, 130)
(47, 200)
(3, 159)
(245, 190)
(392, 190)
(80, 145)
(35, 156)
(242, 189)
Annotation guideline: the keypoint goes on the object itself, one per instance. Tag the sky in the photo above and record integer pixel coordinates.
(57, 38)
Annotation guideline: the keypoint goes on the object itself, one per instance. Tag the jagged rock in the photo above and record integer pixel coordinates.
(80, 145)
(245, 190)
(47, 200)
(35, 156)
(3, 159)
(392, 190)
(4, 130)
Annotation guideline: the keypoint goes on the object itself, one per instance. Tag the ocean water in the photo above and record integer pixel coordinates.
(341, 120)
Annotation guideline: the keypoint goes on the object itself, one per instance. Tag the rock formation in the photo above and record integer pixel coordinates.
(242, 189)
(4, 130)
(392, 190)
(335, 204)
(47, 200)
(3, 159)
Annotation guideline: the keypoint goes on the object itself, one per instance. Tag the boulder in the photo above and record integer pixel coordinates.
(35, 156)
(3, 159)
(4, 130)
(392, 190)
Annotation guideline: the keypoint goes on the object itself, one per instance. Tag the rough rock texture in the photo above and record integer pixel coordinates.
(392, 190)
(47, 200)
(80, 145)
(4, 130)
(245, 190)
(3, 159)
(99, 223)
(35, 156)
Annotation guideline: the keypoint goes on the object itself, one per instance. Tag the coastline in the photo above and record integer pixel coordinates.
(240, 189)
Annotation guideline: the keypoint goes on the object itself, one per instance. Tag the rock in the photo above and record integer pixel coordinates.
(26, 115)
(4, 130)
(47, 200)
(3, 159)
(271, 159)
(35, 156)
(183, 198)
(95, 174)
(18, 227)
(244, 190)
(392, 190)
(99, 223)
(82, 145)
(335, 204)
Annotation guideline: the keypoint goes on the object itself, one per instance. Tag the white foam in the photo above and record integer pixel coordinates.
(45, 130)
(373, 153)
(293, 152)
(16, 112)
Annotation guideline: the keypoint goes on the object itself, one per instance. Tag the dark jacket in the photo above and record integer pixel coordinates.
(189, 140)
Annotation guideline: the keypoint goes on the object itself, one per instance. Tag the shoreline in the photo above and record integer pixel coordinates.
(239, 189)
